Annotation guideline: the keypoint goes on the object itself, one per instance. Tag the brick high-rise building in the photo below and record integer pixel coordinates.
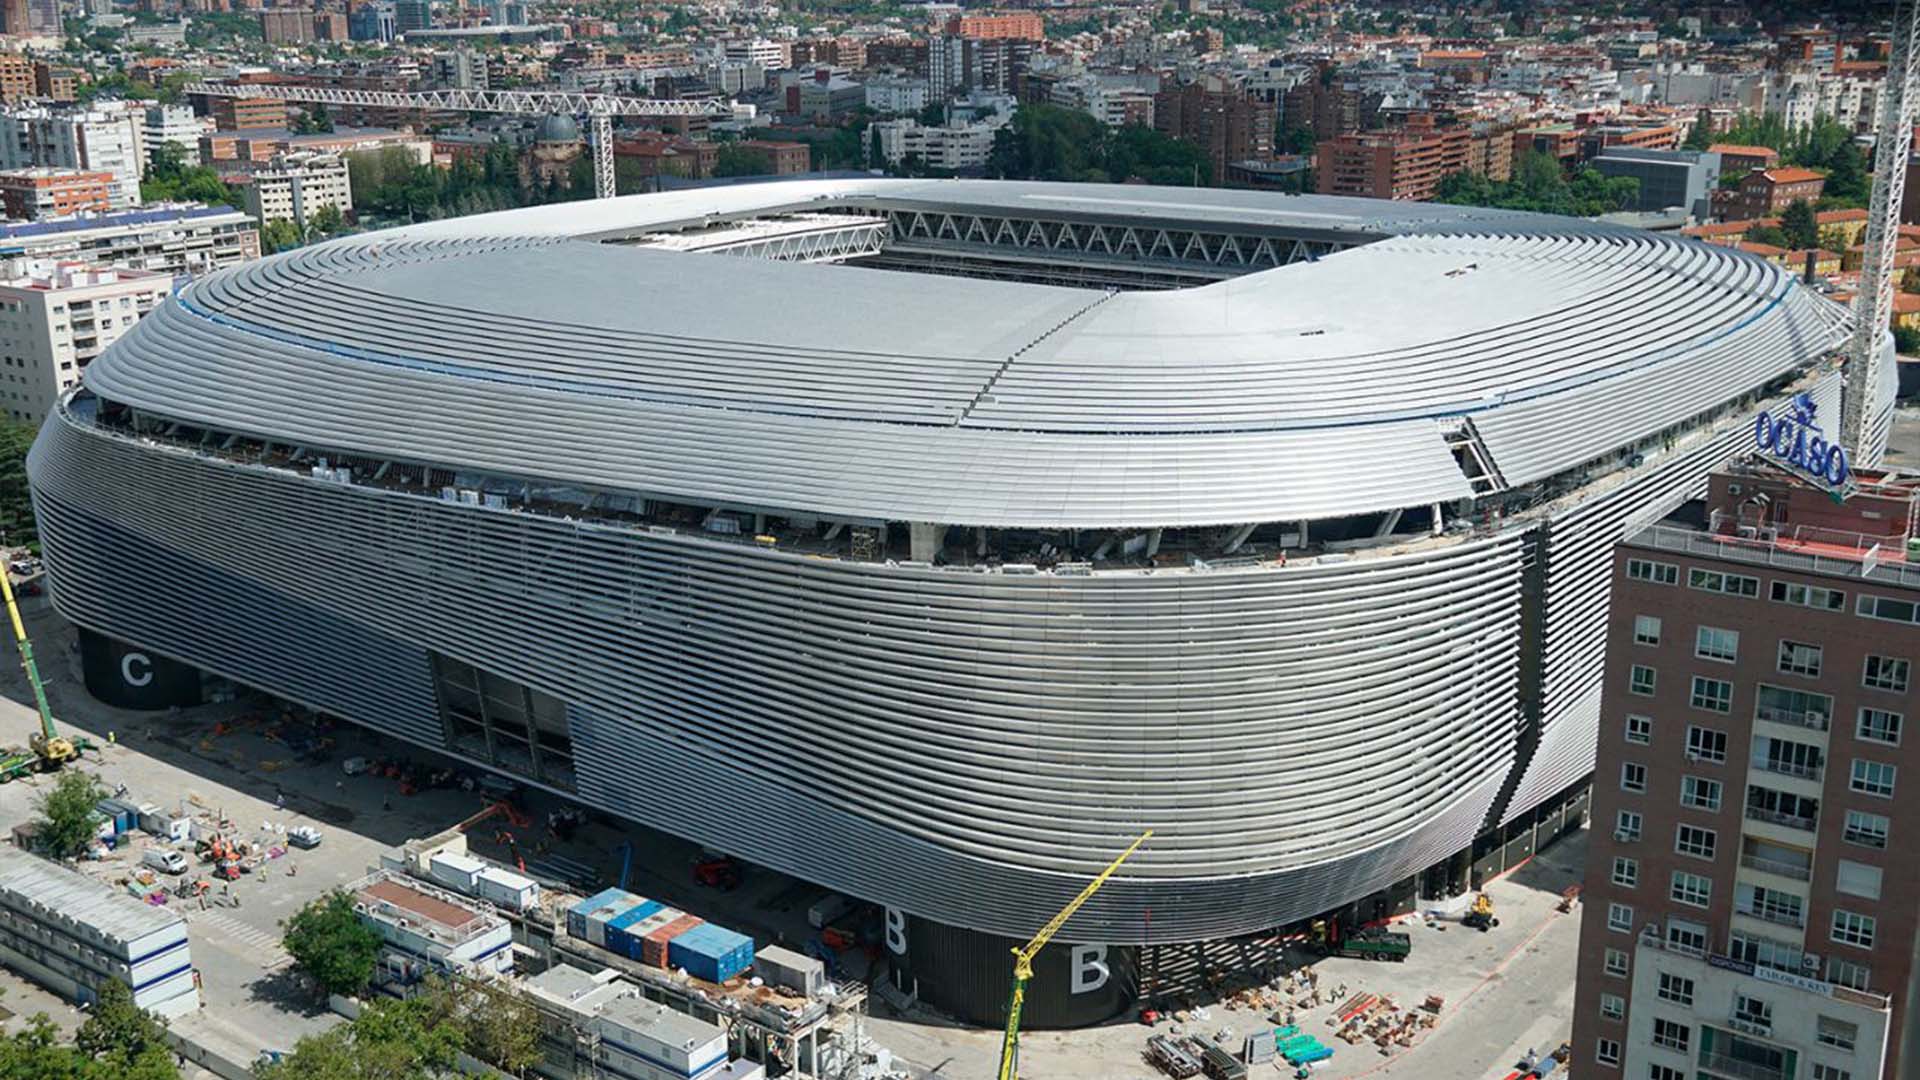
(235, 114)
(16, 17)
(1748, 915)
(1326, 108)
(998, 26)
(16, 77)
(286, 26)
(37, 193)
(1219, 118)
(1407, 163)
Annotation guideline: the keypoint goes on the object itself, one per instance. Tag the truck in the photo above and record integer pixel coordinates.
(1372, 944)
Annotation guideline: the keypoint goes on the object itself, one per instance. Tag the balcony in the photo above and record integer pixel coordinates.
(1796, 920)
(1806, 718)
(1750, 1025)
(1788, 768)
(1774, 866)
(1740, 1068)
(1777, 817)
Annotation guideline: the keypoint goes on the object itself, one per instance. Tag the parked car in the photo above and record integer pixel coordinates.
(303, 836)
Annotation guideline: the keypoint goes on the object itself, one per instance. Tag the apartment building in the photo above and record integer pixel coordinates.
(169, 239)
(1221, 119)
(998, 26)
(36, 194)
(16, 77)
(297, 186)
(110, 138)
(1748, 917)
(1767, 192)
(173, 125)
(235, 114)
(286, 26)
(1406, 164)
(55, 318)
(953, 147)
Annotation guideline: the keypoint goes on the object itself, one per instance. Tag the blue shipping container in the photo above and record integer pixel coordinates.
(577, 914)
(711, 952)
(618, 939)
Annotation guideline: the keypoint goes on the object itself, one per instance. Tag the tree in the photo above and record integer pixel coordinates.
(69, 814)
(1906, 340)
(329, 943)
(933, 114)
(1295, 140)
(326, 221)
(1798, 225)
(279, 234)
(1540, 185)
(1700, 135)
(16, 506)
(415, 1039)
(1772, 235)
(501, 1029)
(125, 1042)
(735, 160)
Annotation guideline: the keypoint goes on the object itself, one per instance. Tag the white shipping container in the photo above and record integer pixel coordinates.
(512, 891)
(456, 872)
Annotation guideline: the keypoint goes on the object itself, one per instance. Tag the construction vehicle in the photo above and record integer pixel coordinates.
(1480, 915)
(50, 749)
(1330, 940)
(1023, 959)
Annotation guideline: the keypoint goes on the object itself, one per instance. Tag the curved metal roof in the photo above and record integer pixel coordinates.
(513, 342)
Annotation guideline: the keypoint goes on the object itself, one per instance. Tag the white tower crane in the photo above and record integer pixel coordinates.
(600, 109)
(1873, 306)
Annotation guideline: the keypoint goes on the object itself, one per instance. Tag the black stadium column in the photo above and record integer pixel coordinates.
(129, 677)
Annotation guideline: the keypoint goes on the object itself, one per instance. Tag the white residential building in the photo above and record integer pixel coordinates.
(71, 933)
(172, 238)
(598, 1024)
(892, 94)
(296, 186)
(55, 317)
(767, 54)
(953, 148)
(173, 124)
(107, 138)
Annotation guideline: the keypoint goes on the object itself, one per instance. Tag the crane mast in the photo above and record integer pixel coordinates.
(1873, 306)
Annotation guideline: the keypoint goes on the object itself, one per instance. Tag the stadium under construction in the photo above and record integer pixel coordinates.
(934, 538)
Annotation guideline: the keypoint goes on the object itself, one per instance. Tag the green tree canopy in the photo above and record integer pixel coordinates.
(16, 507)
(734, 160)
(1798, 225)
(415, 1039)
(1540, 185)
(69, 814)
(36, 1053)
(1769, 234)
(279, 234)
(330, 945)
(169, 178)
(1048, 142)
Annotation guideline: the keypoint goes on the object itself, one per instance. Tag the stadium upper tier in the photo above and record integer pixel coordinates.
(516, 343)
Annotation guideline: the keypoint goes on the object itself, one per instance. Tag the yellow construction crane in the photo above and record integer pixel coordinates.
(49, 746)
(1023, 960)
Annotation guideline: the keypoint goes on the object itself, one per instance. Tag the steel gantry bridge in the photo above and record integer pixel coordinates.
(599, 109)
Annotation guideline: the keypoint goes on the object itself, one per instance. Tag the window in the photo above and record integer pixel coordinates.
(1836, 1033)
(1664, 1072)
(1852, 929)
(1798, 707)
(1620, 918)
(1668, 1035)
(1607, 1052)
(1830, 1072)
(1712, 643)
(1612, 1007)
(1752, 1011)
(1633, 777)
(1879, 725)
(1626, 872)
(1713, 694)
(1694, 841)
(1730, 584)
(1676, 988)
(1858, 879)
(1687, 936)
(1659, 573)
(1797, 658)
(1813, 596)
(1770, 904)
(1765, 952)
(1640, 680)
(1615, 962)
(1872, 777)
(1886, 673)
(1640, 729)
(1626, 826)
(1700, 793)
(1867, 830)
(1881, 607)
(1693, 889)
(1843, 972)
(1646, 630)
(1787, 757)
(1782, 808)
(1706, 744)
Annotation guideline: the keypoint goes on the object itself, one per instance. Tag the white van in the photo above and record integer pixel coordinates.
(165, 860)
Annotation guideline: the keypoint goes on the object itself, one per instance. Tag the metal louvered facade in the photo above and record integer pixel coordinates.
(963, 742)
